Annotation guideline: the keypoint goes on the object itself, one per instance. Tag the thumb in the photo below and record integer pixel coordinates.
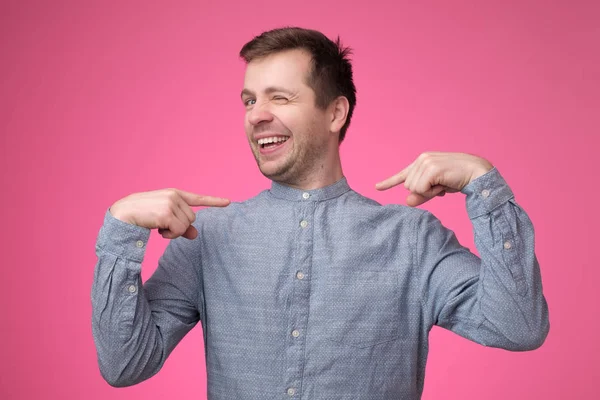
(191, 233)
(434, 191)
(416, 199)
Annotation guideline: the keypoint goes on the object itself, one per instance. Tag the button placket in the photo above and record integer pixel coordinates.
(300, 295)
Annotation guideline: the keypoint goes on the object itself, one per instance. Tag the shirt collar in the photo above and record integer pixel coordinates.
(325, 193)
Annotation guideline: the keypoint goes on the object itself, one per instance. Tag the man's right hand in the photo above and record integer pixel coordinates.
(169, 210)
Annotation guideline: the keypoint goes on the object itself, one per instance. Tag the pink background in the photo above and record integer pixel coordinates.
(98, 101)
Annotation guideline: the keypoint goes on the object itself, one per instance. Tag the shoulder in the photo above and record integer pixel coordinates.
(389, 217)
(397, 211)
(217, 215)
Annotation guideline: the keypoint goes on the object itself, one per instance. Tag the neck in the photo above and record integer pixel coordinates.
(326, 172)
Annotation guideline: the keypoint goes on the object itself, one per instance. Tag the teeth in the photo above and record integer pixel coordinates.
(272, 140)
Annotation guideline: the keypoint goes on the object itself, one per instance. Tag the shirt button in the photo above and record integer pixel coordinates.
(132, 288)
(139, 243)
(485, 193)
(305, 195)
(300, 275)
(304, 224)
(507, 245)
(295, 333)
(291, 391)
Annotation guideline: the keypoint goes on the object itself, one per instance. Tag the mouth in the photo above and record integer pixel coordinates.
(271, 144)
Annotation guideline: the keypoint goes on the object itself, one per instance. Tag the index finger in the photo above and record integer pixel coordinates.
(197, 200)
(392, 180)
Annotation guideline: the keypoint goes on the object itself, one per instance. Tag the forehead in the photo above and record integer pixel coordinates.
(287, 69)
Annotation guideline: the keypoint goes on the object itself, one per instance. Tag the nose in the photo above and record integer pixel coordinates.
(259, 113)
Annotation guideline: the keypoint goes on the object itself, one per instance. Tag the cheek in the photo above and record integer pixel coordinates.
(247, 125)
(295, 121)
(283, 120)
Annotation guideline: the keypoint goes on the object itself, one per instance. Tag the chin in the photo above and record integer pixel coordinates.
(274, 172)
(270, 173)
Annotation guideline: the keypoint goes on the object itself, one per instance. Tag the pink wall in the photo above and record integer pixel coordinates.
(98, 101)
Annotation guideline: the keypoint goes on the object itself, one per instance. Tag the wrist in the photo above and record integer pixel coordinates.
(483, 169)
(118, 213)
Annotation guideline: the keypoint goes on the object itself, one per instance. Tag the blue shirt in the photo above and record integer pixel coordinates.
(318, 294)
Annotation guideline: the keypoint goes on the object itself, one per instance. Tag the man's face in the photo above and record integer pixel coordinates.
(287, 133)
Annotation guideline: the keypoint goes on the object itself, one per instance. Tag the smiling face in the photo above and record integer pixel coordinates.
(289, 136)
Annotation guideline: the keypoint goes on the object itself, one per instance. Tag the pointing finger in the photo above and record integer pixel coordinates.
(392, 181)
(196, 200)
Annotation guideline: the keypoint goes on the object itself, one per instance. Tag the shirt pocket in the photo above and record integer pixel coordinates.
(362, 307)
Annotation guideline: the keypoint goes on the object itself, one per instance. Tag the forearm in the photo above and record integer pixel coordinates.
(126, 337)
(136, 327)
(511, 295)
(495, 299)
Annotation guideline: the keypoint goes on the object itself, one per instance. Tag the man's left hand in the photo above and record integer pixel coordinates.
(435, 174)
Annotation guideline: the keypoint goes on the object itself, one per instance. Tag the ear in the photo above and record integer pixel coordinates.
(338, 113)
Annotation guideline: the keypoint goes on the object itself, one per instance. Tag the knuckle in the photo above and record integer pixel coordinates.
(171, 193)
(166, 211)
(172, 207)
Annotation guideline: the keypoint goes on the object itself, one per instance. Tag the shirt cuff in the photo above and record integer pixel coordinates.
(123, 239)
(485, 193)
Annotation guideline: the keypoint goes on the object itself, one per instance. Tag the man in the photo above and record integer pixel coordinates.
(310, 290)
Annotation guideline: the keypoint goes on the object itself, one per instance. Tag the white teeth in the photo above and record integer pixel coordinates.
(272, 140)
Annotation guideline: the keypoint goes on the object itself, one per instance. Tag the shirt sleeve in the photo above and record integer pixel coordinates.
(495, 300)
(135, 326)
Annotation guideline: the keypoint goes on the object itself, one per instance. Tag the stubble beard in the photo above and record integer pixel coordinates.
(283, 171)
(298, 167)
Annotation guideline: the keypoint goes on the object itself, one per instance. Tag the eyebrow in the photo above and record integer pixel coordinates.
(269, 90)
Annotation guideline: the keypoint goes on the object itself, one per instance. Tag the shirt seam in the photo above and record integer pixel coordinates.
(417, 259)
(304, 201)
(123, 256)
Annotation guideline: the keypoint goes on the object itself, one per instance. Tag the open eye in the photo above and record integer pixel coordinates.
(249, 102)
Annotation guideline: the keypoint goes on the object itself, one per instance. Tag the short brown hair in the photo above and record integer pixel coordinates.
(331, 74)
